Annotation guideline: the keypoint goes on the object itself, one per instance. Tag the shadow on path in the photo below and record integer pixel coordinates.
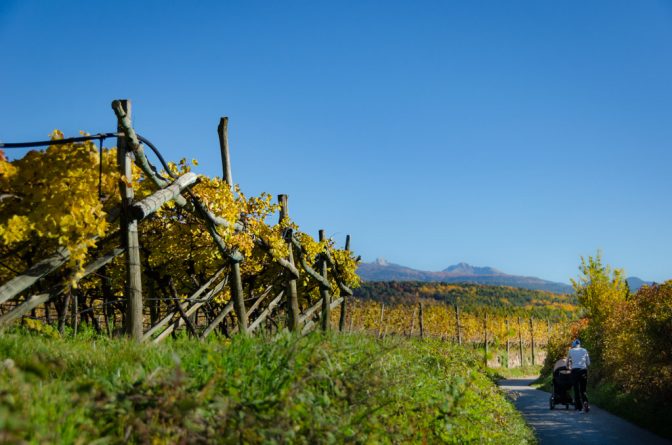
(561, 426)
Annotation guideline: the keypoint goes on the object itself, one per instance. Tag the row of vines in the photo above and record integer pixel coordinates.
(208, 257)
(506, 340)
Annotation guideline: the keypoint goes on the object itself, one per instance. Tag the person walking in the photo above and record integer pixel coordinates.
(578, 361)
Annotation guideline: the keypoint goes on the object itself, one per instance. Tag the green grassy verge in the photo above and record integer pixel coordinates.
(316, 389)
(512, 373)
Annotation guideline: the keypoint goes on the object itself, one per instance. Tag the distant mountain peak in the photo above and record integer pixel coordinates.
(634, 283)
(382, 262)
(382, 270)
(467, 269)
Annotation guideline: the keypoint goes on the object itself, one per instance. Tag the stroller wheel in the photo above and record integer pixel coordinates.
(552, 402)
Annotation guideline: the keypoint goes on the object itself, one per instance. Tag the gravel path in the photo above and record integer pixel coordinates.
(568, 427)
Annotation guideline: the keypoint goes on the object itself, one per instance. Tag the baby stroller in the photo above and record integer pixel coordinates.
(562, 385)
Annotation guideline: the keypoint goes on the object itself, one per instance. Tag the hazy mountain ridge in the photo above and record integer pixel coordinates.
(634, 283)
(381, 270)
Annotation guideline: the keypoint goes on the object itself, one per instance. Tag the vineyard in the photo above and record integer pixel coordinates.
(499, 300)
(509, 341)
(98, 243)
(100, 236)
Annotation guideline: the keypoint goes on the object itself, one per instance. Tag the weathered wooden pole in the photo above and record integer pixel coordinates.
(485, 337)
(458, 326)
(520, 342)
(508, 344)
(129, 232)
(341, 320)
(75, 310)
(235, 277)
(415, 314)
(382, 319)
(293, 312)
(223, 133)
(548, 331)
(532, 339)
(324, 291)
(421, 320)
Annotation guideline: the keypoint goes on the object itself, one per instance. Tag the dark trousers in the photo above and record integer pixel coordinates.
(579, 380)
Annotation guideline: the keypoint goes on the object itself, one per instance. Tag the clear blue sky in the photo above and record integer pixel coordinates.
(518, 135)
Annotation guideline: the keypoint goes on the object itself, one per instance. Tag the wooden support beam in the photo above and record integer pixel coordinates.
(35, 300)
(192, 299)
(293, 311)
(226, 310)
(310, 325)
(267, 311)
(508, 344)
(324, 292)
(223, 133)
(421, 320)
(520, 343)
(235, 277)
(310, 312)
(302, 260)
(256, 305)
(18, 284)
(129, 229)
(458, 325)
(485, 334)
(381, 324)
(341, 319)
(142, 209)
(180, 309)
(22, 282)
(532, 340)
(31, 303)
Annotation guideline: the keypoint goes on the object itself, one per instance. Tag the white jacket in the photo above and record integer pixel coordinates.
(578, 358)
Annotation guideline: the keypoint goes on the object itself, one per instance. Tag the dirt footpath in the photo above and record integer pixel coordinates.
(565, 427)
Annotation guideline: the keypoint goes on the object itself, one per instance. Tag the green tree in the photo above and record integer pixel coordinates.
(599, 289)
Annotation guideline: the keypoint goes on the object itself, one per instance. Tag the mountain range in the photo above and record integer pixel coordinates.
(381, 270)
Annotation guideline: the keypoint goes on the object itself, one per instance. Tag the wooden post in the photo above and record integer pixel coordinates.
(75, 310)
(520, 342)
(324, 292)
(532, 339)
(341, 321)
(508, 344)
(485, 336)
(458, 326)
(421, 321)
(293, 312)
(223, 133)
(236, 280)
(129, 234)
(548, 331)
(415, 313)
(382, 320)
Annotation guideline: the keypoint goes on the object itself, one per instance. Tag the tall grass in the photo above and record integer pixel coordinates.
(289, 389)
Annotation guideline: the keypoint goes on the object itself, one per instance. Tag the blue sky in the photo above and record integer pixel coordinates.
(518, 135)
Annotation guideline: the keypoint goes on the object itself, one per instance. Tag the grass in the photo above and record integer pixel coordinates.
(513, 373)
(315, 389)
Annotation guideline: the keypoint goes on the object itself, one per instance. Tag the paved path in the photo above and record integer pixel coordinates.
(569, 427)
